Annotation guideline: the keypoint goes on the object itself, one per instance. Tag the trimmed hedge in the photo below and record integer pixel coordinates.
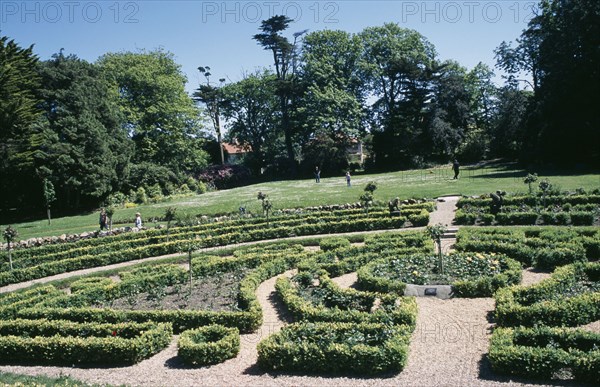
(347, 305)
(150, 246)
(472, 286)
(66, 342)
(208, 345)
(542, 352)
(545, 303)
(329, 244)
(344, 348)
(578, 210)
(540, 247)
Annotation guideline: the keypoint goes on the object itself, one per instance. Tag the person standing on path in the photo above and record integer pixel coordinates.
(348, 178)
(317, 174)
(456, 169)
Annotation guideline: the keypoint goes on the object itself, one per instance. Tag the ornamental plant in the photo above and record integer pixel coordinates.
(545, 186)
(266, 204)
(436, 232)
(10, 234)
(366, 199)
(110, 211)
(529, 180)
(49, 196)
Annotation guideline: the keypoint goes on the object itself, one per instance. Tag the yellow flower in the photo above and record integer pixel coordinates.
(415, 272)
(478, 255)
(469, 259)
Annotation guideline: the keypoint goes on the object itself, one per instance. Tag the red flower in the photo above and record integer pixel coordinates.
(114, 333)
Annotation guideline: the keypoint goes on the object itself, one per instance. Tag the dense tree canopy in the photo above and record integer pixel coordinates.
(160, 116)
(87, 151)
(125, 123)
(19, 82)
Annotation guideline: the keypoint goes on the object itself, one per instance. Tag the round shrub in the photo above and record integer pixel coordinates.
(211, 344)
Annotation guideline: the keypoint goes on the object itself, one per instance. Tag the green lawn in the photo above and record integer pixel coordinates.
(428, 183)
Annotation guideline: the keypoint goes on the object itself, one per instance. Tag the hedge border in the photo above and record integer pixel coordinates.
(211, 344)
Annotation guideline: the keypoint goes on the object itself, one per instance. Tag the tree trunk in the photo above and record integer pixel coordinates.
(48, 212)
(219, 137)
(10, 256)
(287, 131)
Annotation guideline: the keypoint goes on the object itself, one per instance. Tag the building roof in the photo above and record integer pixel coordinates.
(233, 148)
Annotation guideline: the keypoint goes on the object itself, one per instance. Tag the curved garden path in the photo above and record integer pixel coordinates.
(447, 348)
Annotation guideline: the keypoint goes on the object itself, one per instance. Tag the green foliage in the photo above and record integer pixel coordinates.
(162, 117)
(329, 244)
(544, 248)
(211, 344)
(541, 352)
(569, 298)
(19, 110)
(529, 180)
(65, 342)
(477, 275)
(336, 348)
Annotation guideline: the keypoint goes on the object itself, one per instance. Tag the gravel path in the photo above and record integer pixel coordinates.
(531, 276)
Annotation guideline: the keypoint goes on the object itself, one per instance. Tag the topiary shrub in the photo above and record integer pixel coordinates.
(211, 344)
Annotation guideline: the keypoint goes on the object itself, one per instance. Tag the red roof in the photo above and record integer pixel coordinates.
(233, 148)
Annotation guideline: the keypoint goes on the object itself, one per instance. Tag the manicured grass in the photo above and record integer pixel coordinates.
(428, 183)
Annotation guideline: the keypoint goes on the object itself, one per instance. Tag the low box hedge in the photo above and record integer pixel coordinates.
(476, 286)
(207, 345)
(547, 303)
(542, 352)
(343, 305)
(68, 343)
(338, 348)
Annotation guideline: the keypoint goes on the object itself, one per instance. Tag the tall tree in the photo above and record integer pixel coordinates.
(251, 109)
(18, 111)
(87, 152)
(161, 118)
(332, 102)
(212, 98)
(506, 129)
(562, 56)
(285, 60)
(398, 66)
(448, 117)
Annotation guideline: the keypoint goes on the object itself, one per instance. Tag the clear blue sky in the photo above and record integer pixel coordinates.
(219, 33)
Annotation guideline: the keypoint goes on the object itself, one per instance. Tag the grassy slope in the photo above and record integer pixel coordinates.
(332, 190)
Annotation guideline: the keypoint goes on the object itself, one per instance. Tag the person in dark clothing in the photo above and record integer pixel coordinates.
(497, 201)
(317, 175)
(103, 218)
(456, 169)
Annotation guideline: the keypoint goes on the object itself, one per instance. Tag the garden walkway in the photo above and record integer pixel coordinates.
(447, 349)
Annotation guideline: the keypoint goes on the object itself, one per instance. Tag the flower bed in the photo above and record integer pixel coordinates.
(471, 275)
(543, 352)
